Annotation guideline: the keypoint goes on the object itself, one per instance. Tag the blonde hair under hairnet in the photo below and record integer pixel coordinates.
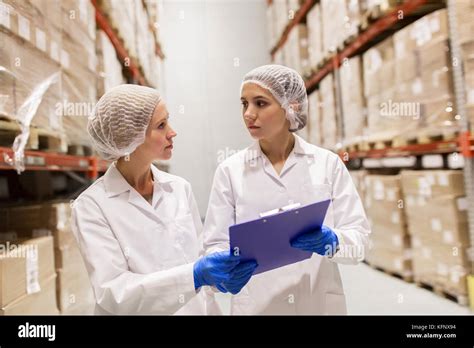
(120, 119)
(287, 87)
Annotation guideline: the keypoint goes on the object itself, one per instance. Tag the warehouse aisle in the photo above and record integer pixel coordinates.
(372, 292)
(369, 291)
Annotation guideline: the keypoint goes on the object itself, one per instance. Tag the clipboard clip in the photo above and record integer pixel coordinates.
(280, 210)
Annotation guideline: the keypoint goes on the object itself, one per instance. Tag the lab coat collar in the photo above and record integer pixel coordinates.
(301, 147)
(116, 184)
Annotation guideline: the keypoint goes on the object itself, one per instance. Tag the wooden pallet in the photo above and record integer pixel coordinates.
(440, 290)
(375, 13)
(407, 276)
(39, 138)
(79, 150)
(427, 136)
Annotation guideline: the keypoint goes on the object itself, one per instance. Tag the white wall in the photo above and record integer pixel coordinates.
(209, 46)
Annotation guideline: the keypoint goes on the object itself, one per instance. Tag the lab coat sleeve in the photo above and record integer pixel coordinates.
(350, 222)
(220, 213)
(117, 289)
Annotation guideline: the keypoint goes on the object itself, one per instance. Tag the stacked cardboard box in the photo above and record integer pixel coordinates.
(135, 27)
(27, 277)
(74, 291)
(379, 77)
(465, 16)
(358, 178)
(353, 102)
(340, 19)
(109, 66)
(297, 48)
(437, 222)
(315, 46)
(423, 73)
(29, 47)
(328, 113)
(281, 17)
(48, 47)
(313, 127)
(390, 241)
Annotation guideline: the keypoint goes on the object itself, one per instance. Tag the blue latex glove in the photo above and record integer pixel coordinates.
(214, 268)
(239, 277)
(322, 241)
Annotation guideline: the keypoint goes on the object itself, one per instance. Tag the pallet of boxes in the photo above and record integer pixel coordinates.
(436, 211)
(390, 249)
(58, 257)
(424, 78)
(48, 72)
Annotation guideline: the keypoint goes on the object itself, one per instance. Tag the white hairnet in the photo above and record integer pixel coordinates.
(287, 86)
(120, 118)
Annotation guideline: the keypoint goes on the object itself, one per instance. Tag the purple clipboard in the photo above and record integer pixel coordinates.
(267, 239)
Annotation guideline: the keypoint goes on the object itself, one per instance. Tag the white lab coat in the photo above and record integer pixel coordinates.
(246, 184)
(140, 256)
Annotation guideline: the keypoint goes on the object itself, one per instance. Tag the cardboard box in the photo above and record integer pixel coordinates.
(297, 42)
(435, 55)
(314, 122)
(394, 261)
(431, 27)
(442, 266)
(39, 220)
(404, 42)
(24, 266)
(443, 218)
(432, 183)
(407, 68)
(358, 178)
(74, 290)
(390, 240)
(40, 303)
(384, 207)
(353, 101)
(379, 67)
(315, 47)
(328, 112)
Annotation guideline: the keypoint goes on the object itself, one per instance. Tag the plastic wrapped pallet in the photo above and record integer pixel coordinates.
(315, 47)
(110, 67)
(353, 102)
(27, 271)
(436, 210)
(353, 18)
(281, 16)
(389, 238)
(298, 47)
(328, 113)
(48, 52)
(122, 17)
(334, 14)
(314, 121)
(378, 65)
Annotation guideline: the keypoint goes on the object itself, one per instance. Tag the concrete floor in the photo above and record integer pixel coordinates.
(369, 291)
(373, 292)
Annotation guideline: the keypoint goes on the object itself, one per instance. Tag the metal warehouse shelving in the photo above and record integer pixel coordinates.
(375, 32)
